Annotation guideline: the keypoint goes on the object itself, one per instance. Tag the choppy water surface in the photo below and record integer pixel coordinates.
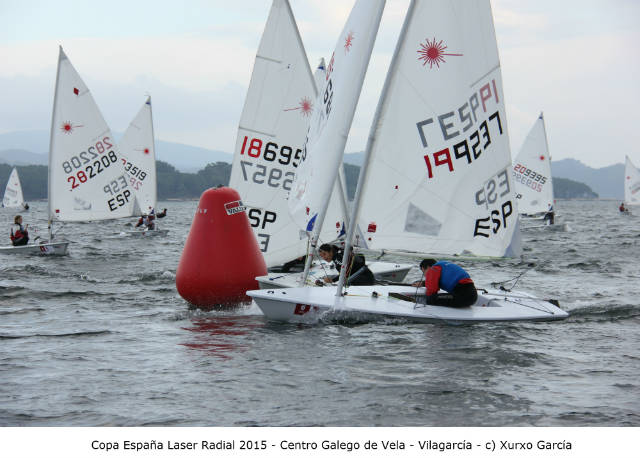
(101, 337)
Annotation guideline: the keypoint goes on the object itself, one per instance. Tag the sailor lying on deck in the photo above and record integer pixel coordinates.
(449, 277)
(357, 272)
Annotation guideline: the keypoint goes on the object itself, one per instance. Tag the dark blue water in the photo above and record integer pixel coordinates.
(101, 338)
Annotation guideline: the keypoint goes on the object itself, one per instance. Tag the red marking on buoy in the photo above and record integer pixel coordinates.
(221, 258)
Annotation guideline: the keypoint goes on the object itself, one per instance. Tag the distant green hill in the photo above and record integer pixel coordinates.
(569, 189)
(173, 184)
(562, 188)
(606, 182)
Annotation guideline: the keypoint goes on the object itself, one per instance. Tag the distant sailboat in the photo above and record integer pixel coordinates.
(139, 159)
(532, 172)
(87, 180)
(533, 181)
(13, 192)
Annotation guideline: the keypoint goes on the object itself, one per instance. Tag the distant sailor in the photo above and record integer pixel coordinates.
(147, 221)
(25, 206)
(452, 279)
(357, 272)
(19, 234)
(162, 214)
(550, 215)
(622, 208)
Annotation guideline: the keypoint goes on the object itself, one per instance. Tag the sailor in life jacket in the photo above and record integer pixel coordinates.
(451, 278)
(19, 234)
(549, 215)
(148, 221)
(358, 272)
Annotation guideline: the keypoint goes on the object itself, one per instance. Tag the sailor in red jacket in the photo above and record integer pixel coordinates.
(19, 233)
(451, 278)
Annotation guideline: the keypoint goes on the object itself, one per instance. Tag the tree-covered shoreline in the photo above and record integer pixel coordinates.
(173, 184)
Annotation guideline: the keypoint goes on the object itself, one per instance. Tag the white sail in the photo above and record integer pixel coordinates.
(13, 192)
(333, 114)
(320, 73)
(139, 159)
(86, 175)
(439, 176)
(532, 172)
(631, 183)
(273, 126)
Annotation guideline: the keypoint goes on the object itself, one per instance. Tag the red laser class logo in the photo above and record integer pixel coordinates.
(432, 52)
(68, 127)
(541, 157)
(305, 106)
(348, 42)
(143, 150)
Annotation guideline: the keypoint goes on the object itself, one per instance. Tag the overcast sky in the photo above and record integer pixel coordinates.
(575, 60)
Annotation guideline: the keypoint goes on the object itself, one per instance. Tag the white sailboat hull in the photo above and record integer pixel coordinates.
(44, 249)
(306, 305)
(382, 270)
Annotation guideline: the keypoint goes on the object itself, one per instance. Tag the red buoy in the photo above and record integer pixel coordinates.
(221, 257)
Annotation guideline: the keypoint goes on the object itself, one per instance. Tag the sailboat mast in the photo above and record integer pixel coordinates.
(546, 144)
(153, 146)
(51, 137)
(342, 188)
(369, 148)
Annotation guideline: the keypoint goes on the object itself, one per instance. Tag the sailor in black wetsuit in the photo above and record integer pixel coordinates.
(357, 272)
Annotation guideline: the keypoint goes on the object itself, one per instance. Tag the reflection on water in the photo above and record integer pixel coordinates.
(221, 336)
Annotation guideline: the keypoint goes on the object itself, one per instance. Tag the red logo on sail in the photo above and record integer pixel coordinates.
(305, 106)
(541, 157)
(432, 52)
(348, 42)
(68, 127)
